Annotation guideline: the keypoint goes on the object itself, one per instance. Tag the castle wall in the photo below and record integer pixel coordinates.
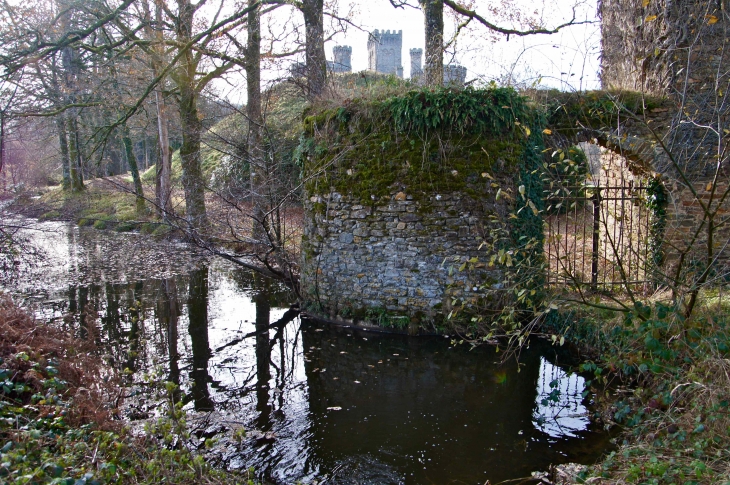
(676, 49)
(342, 59)
(385, 52)
(400, 228)
(395, 255)
(454, 75)
(416, 63)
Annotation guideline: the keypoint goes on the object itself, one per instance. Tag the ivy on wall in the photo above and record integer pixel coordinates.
(471, 141)
(657, 201)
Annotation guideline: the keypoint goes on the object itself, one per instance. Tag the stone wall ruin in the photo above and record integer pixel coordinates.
(398, 226)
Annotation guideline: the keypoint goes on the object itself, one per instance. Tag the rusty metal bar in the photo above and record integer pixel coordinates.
(596, 235)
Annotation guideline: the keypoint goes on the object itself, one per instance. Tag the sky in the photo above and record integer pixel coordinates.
(568, 60)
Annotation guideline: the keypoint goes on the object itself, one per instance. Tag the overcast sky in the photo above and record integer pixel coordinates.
(568, 60)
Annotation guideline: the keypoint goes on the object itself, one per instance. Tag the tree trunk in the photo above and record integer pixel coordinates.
(132, 163)
(74, 156)
(433, 14)
(253, 113)
(2, 140)
(192, 174)
(164, 167)
(313, 11)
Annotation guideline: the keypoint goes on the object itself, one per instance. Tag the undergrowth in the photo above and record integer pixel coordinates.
(666, 381)
(57, 417)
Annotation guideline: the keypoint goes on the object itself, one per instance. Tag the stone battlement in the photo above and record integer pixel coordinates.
(387, 35)
(342, 59)
(384, 52)
(454, 74)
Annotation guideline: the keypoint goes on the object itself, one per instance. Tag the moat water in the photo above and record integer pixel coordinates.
(319, 404)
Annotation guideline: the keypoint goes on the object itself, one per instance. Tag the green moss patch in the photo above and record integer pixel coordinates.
(424, 142)
(49, 216)
(125, 227)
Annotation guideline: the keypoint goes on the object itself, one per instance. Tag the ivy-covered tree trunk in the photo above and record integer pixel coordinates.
(192, 174)
(134, 169)
(253, 112)
(63, 145)
(74, 155)
(70, 62)
(313, 11)
(433, 14)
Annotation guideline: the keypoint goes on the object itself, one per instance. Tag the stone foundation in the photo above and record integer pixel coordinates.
(397, 259)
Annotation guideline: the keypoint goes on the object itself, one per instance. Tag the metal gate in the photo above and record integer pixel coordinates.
(596, 237)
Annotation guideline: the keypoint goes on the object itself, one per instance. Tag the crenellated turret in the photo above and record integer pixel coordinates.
(384, 52)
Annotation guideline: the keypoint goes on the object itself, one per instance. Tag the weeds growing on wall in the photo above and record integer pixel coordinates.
(433, 141)
(488, 111)
(657, 201)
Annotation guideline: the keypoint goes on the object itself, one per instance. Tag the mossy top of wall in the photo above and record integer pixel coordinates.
(425, 142)
(598, 110)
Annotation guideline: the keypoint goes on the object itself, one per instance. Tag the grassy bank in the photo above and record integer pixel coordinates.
(105, 204)
(665, 381)
(58, 417)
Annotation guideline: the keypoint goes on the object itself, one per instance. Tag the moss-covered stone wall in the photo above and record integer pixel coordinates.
(401, 212)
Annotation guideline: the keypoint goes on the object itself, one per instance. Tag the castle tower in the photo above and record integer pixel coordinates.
(454, 75)
(384, 52)
(342, 58)
(416, 64)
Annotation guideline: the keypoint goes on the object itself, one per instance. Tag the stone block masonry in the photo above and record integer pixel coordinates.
(384, 52)
(393, 256)
(405, 217)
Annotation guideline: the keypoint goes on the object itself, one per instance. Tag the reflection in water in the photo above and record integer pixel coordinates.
(319, 403)
(168, 311)
(560, 411)
(263, 356)
(135, 320)
(198, 328)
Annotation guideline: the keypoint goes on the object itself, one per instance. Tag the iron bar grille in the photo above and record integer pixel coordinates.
(596, 237)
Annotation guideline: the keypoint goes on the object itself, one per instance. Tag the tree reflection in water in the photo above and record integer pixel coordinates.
(168, 312)
(198, 328)
(263, 356)
(326, 402)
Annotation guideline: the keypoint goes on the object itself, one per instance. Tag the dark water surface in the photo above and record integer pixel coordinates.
(319, 404)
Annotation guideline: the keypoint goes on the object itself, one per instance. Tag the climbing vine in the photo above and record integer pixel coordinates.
(657, 202)
(486, 144)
